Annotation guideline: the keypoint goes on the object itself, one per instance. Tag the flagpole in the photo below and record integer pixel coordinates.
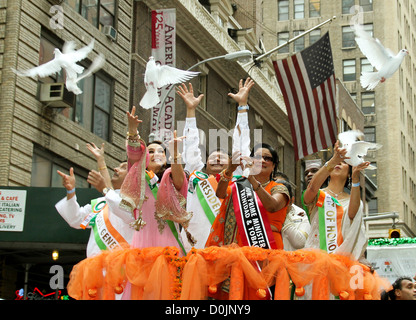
(289, 41)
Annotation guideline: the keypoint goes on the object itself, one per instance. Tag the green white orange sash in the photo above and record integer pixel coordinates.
(95, 208)
(152, 179)
(330, 214)
(105, 235)
(201, 183)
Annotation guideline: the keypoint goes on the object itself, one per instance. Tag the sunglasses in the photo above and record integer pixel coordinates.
(265, 158)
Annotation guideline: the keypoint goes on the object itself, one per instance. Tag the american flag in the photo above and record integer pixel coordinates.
(307, 82)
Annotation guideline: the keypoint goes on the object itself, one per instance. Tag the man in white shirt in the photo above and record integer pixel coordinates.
(108, 230)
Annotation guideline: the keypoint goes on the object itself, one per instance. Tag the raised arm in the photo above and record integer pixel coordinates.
(68, 181)
(227, 174)
(135, 146)
(68, 207)
(241, 136)
(191, 154)
(102, 167)
(175, 160)
(323, 173)
(271, 202)
(355, 196)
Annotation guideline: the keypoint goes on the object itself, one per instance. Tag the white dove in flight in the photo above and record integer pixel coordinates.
(356, 149)
(67, 60)
(381, 58)
(72, 78)
(157, 76)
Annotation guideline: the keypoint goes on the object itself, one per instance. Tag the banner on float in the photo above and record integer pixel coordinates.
(12, 209)
(164, 52)
(392, 262)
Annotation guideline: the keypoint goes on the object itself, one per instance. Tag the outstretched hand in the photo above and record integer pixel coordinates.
(97, 152)
(234, 162)
(68, 181)
(356, 170)
(241, 97)
(188, 97)
(96, 180)
(339, 154)
(133, 121)
(174, 146)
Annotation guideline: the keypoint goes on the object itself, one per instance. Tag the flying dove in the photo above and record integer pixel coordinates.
(157, 76)
(67, 60)
(381, 58)
(72, 78)
(356, 150)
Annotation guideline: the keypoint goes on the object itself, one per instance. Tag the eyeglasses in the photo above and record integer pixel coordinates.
(265, 158)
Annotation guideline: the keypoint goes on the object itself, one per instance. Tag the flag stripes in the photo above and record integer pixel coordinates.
(307, 82)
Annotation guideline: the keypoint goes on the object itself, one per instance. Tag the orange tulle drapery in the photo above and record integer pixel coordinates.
(248, 272)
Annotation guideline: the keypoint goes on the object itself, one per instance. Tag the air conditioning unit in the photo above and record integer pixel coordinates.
(110, 32)
(56, 95)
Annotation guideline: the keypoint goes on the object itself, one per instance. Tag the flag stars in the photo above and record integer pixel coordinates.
(318, 61)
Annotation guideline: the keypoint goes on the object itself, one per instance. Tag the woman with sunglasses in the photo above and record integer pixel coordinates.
(274, 196)
(271, 198)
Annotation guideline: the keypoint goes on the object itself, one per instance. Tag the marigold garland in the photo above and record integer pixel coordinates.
(177, 264)
(210, 266)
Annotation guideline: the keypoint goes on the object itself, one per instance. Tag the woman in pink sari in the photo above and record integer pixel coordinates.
(157, 208)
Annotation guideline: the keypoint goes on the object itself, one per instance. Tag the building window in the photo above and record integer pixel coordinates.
(282, 38)
(366, 5)
(202, 89)
(299, 44)
(314, 36)
(283, 7)
(44, 170)
(372, 174)
(314, 8)
(299, 9)
(369, 28)
(93, 107)
(98, 12)
(48, 43)
(370, 134)
(344, 125)
(366, 66)
(348, 37)
(373, 206)
(349, 73)
(346, 6)
(368, 102)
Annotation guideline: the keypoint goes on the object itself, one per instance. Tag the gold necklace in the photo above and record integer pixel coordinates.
(265, 184)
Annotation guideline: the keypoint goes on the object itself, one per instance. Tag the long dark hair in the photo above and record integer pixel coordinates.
(166, 165)
(273, 152)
